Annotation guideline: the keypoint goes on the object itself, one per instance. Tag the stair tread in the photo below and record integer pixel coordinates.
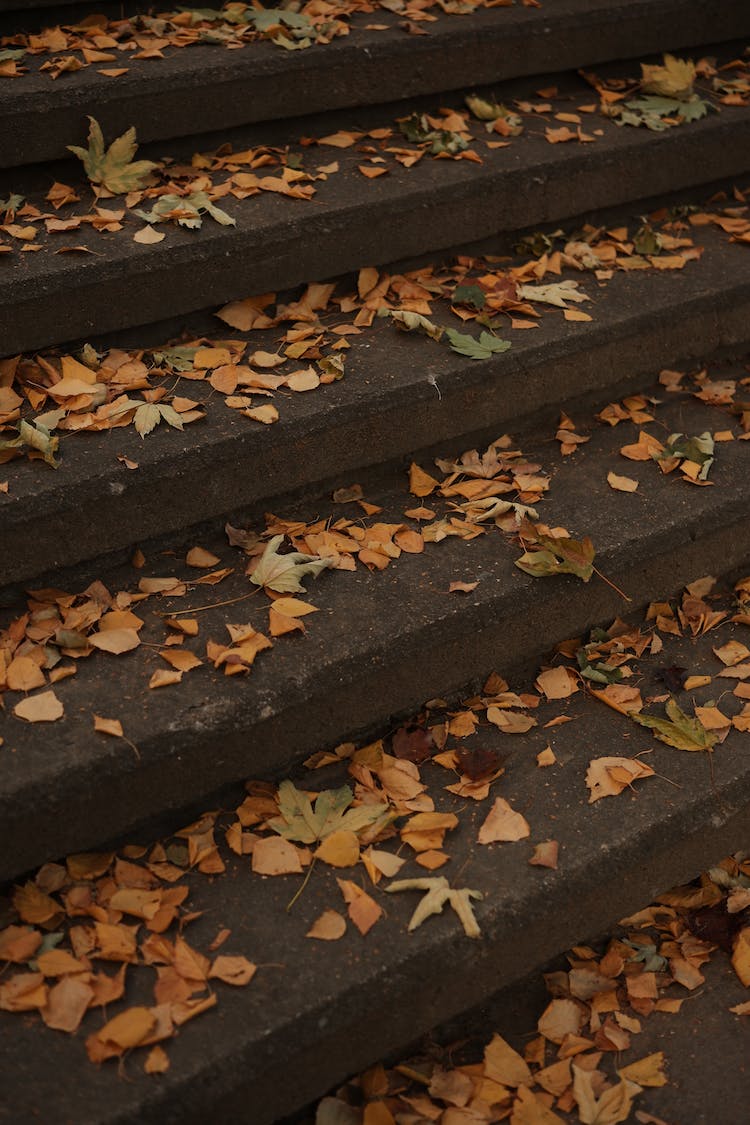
(308, 1018)
(278, 242)
(484, 46)
(382, 640)
(386, 406)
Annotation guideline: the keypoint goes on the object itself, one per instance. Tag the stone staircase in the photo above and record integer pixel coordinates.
(110, 530)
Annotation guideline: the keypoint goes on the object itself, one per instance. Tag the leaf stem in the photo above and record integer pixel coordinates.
(305, 881)
(213, 605)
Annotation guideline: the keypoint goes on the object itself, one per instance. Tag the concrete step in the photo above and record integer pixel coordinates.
(383, 642)
(704, 1044)
(317, 1012)
(261, 82)
(400, 392)
(49, 297)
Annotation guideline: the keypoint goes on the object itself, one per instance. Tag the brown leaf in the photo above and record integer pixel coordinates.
(233, 970)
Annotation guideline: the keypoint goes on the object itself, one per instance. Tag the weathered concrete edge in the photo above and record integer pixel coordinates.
(181, 490)
(79, 808)
(361, 69)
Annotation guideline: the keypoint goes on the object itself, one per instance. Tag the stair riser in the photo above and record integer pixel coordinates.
(232, 88)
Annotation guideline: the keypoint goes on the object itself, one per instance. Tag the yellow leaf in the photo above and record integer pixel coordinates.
(420, 482)
(503, 824)
(162, 678)
(24, 674)
(607, 777)
(330, 926)
(293, 607)
(108, 726)
(42, 708)
(648, 1071)
(149, 236)
(200, 558)
(233, 970)
(621, 484)
(557, 683)
(266, 414)
(115, 641)
(504, 1065)
(741, 956)
(275, 856)
(340, 849)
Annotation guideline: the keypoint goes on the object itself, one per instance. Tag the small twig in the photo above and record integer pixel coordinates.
(213, 605)
(616, 589)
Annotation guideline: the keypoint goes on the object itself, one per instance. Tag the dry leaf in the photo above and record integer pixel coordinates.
(42, 708)
(607, 777)
(622, 484)
(503, 824)
(330, 926)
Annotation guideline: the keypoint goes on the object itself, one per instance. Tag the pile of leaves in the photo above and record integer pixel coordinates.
(399, 801)
(571, 1067)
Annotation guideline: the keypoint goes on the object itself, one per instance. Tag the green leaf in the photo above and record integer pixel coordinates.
(298, 821)
(12, 203)
(697, 449)
(486, 346)
(659, 113)
(647, 240)
(8, 55)
(179, 359)
(188, 209)
(469, 295)
(598, 671)
(556, 555)
(170, 416)
(678, 729)
(114, 168)
(283, 573)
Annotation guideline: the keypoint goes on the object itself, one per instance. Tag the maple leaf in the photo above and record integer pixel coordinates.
(558, 555)
(114, 167)
(283, 573)
(678, 729)
(672, 80)
(299, 821)
(486, 346)
(438, 893)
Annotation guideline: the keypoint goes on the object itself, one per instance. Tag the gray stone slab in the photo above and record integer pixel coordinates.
(262, 82)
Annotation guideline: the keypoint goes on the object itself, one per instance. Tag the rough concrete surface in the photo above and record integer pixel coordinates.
(382, 643)
(263, 82)
(317, 1012)
(386, 406)
(48, 298)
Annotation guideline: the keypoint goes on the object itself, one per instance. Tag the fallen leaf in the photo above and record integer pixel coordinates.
(503, 824)
(607, 777)
(545, 854)
(621, 484)
(438, 892)
(42, 708)
(330, 926)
